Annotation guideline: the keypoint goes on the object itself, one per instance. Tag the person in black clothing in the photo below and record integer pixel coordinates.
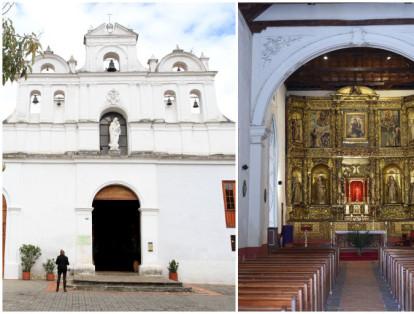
(62, 263)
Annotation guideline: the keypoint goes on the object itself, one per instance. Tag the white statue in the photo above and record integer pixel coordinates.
(114, 132)
(392, 190)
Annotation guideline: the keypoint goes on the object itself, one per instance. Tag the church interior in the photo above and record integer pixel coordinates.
(346, 236)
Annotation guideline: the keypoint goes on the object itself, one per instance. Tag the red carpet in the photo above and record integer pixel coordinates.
(353, 256)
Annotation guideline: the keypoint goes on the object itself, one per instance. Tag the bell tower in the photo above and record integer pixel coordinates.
(111, 48)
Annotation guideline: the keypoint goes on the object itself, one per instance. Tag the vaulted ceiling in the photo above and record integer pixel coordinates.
(375, 68)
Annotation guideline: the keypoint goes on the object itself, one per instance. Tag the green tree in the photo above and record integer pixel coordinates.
(19, 51)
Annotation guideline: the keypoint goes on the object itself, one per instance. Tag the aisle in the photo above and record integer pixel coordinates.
(359, 288)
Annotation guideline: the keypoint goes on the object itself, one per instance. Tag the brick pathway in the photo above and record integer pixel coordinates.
(360, 288)
(39, 295)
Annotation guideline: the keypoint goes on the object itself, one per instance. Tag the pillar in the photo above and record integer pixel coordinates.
(83, 244)
(149, 242)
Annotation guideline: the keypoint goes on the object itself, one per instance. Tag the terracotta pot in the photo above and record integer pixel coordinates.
(50, 277)
(173, 276)
(26, 275)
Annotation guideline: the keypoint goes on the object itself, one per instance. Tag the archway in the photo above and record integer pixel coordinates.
(4, 230)
(116, 234)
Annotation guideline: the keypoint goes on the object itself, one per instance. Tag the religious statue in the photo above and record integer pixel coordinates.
(296, 191)
(412, 192)
(321, 190)
(411, 130)
(114, 133)
(296, 130)
(392, 190)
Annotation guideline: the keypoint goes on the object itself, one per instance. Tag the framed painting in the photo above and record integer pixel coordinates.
(355, 127)
(390, 130)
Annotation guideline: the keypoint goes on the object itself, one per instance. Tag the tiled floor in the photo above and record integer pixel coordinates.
(360, 288)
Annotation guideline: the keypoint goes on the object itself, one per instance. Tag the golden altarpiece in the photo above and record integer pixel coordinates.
(350, 162)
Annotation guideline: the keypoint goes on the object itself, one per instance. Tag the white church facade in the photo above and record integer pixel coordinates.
(119, 163)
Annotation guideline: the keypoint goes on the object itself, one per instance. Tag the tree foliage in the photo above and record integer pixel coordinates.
(19, 52)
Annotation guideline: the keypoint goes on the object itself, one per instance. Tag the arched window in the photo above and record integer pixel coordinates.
(35, 98)
(59, 98)
(195, 101)
(47, 68)
(105, 133)
(180, 67)
(169, 98)
(111, 62)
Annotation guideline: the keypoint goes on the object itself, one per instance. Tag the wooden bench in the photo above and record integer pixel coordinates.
(289, 279)
(397, 268)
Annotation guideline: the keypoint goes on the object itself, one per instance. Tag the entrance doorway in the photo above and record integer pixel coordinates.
(116, 230)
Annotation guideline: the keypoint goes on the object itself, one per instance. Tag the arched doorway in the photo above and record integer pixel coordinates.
(116, 234)
(4, 230)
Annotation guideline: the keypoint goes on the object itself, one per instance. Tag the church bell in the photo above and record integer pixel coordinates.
(35, 100)
(169, 102)
(195, 105)
(111, 67)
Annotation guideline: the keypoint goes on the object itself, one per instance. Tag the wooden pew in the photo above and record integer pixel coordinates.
(288, 280)
(397, 268)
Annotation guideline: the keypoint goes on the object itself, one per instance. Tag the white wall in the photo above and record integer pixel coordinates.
(190, 213)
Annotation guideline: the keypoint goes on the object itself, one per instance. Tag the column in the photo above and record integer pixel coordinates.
(255, 186)
(83, 258)
(149, 242)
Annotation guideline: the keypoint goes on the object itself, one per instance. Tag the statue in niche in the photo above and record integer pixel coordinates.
(296, 191)
(321, 190)
(412, 192)
(411, 126)
(114, 133)
(392, 187)
(296, 128)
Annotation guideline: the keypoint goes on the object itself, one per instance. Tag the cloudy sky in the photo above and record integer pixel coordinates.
(200, 27)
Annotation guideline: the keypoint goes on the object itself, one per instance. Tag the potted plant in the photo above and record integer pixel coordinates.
(49, 267)
(172, 269)
(28, 255)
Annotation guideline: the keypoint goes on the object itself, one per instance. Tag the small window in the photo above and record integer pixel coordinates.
(59, 98)
(233, 242)
(47, 68)
(229, 203)
(169, 98)
(179, 67)
(111, 62)
(35, 98)
(195, 102)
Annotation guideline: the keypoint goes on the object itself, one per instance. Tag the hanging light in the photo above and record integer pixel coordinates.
(111, 67)
(169, 102)
(35, 100)
(195, 105)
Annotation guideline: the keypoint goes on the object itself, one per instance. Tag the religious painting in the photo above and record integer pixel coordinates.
(355, 127)
(392, 185)
(297, 187)
(411, 126)
(320, 189)
(296, 128)
(390, 128)
(320, 129)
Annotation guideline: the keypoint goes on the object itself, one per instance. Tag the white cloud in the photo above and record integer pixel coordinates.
(193, 26)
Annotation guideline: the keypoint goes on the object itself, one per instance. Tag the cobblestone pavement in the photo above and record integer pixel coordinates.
(39, 295)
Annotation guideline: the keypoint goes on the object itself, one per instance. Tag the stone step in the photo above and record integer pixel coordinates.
(125, 282)
(135, 287)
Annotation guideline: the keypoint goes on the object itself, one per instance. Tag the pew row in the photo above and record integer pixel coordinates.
(290, 279)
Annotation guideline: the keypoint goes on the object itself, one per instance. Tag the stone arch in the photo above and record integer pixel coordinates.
(112, 50)
(355, 38)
